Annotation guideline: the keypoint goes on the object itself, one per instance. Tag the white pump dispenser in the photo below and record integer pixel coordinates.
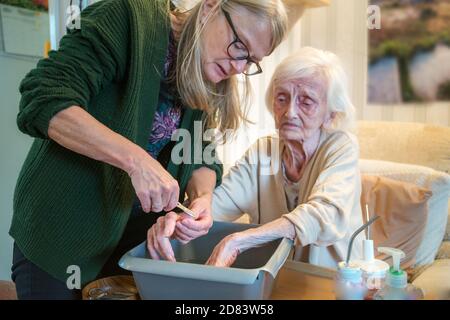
(397, 287)
(397, 278)
(370, 264)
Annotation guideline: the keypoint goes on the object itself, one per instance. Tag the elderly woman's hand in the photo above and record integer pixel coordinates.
(158, 237)
(188, 229)
(226, 252)
(181, 227)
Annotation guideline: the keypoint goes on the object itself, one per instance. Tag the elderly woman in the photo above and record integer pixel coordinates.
(303, 184)
(310, 190)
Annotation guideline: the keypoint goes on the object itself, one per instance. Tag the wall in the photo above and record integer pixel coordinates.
(13, 145)
(341, 28)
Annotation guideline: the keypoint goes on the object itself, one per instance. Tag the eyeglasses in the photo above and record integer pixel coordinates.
(237, 50)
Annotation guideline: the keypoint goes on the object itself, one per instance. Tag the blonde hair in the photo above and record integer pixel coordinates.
(308, 62)
(220, 101)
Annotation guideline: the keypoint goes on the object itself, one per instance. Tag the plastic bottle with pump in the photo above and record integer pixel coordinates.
(397, 287)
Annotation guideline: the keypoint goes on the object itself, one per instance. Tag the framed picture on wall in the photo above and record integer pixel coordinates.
(24, 27)
(409, 56)
(35, 5)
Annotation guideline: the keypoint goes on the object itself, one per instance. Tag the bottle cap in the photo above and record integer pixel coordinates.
(371, 266)
(375, 268)
(350, 272)
(396, 278)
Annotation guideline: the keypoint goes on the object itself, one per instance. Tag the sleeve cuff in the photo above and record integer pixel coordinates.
(217, 168)
(306, 227)
(42, 120)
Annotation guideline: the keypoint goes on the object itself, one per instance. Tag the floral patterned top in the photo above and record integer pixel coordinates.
(169, 111)
(167, 116)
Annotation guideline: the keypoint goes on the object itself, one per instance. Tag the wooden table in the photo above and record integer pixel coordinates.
(302, 281)
(295, 281)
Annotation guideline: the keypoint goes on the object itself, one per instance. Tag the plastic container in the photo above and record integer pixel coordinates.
(349, 283)
(250, 277)
(373, 270)
(374, 276)
(397, 287)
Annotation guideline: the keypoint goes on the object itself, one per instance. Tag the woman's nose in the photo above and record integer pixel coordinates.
(239, 65)
(291, 110)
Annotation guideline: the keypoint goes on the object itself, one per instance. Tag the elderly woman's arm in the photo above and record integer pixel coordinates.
(226, 252)
(322, 220)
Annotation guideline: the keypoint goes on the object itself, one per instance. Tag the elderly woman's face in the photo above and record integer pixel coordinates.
(217, 36)
(300, 107)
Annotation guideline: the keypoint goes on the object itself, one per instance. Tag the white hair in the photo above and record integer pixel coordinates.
(308, 62)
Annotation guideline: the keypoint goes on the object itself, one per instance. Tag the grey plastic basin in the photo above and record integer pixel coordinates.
(250, 277)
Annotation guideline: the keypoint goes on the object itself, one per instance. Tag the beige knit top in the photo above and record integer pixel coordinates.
(328, 206)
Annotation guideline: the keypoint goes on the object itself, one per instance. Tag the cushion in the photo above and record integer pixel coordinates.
(434, 281)
(436, 181)
(403, 212)
(444, 251)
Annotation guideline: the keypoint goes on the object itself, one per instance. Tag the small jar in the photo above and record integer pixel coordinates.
(349, 283)
(374, 275)
(374, 282)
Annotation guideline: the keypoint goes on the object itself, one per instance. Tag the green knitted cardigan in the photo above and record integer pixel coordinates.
(70, 209)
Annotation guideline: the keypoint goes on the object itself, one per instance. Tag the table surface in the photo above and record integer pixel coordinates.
(302, 281)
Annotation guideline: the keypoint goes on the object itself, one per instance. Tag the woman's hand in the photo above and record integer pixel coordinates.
(158, 237)
(182, 227)
(156, 189)
(226, 252)
(188, 229)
